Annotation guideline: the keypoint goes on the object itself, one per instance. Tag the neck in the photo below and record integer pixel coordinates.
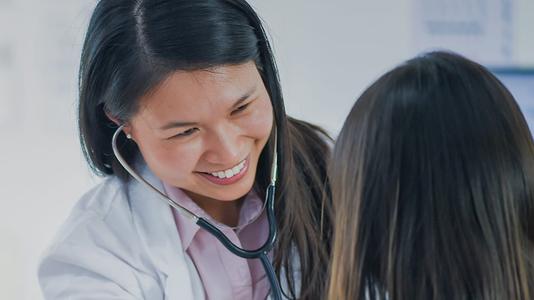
(225, 212)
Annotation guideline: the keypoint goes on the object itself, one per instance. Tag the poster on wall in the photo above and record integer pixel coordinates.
(482, 30)
(487, 31)
(520, 82)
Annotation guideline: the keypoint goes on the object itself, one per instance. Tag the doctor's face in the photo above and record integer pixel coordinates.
(203, 131)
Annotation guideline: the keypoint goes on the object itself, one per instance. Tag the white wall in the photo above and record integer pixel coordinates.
(327, 51)
(41, 168)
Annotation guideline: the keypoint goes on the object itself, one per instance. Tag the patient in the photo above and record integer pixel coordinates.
(433, 186)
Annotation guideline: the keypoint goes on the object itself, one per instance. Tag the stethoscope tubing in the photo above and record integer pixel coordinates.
(260, 253)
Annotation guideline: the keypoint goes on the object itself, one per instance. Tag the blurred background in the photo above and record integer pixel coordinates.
(327, 52)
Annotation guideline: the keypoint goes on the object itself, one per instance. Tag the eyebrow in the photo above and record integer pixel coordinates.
(239, 101)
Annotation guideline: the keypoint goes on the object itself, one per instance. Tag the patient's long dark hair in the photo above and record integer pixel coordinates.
(433, 188)
(131, 46)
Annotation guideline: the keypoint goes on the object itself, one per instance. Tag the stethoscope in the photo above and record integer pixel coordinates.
(260, 253)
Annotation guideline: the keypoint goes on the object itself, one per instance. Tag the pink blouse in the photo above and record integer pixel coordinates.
(223, 274)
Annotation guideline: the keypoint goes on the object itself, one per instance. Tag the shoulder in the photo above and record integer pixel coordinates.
(102, 207)
(98, 245)
(103, 198)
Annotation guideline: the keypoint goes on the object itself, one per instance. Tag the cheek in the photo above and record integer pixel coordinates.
(170, 162)
(260, 123)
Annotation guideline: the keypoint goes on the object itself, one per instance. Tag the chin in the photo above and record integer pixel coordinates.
(230, 192)
(230, 198)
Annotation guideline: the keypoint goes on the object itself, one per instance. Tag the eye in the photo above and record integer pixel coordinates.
(188, 132)
(240, 108)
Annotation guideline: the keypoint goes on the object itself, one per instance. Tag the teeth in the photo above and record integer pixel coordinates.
(230, 172)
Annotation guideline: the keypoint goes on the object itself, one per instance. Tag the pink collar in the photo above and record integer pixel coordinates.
(251, 208)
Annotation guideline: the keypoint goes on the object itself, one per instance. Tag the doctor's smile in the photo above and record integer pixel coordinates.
(228, 176)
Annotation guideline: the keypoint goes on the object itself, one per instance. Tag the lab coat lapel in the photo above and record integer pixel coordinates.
(157, 230)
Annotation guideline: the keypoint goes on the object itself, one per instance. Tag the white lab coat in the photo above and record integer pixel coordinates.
(120, 242)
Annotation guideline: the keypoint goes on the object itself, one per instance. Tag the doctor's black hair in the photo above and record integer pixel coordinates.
(133, 45)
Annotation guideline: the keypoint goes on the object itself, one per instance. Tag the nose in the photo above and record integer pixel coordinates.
(223, 146)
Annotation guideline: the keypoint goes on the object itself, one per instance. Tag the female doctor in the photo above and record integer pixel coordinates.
(194, 88)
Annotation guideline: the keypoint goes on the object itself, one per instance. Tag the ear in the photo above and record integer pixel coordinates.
(127, 130)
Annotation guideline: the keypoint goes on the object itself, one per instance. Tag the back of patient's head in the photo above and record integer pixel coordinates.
(433, 186)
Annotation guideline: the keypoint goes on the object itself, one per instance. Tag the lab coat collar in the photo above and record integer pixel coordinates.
(157, 231)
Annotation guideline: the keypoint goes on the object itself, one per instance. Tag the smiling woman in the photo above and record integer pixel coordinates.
(194, 87)
(202, 122)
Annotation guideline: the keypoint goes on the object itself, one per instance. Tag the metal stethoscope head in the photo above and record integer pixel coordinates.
(260, 253)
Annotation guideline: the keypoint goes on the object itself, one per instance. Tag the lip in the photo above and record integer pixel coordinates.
(227, 181)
